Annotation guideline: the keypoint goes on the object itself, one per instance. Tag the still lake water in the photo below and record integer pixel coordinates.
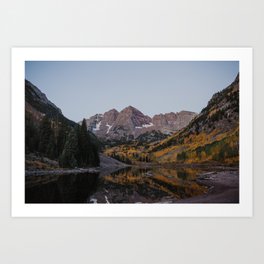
(130, 185)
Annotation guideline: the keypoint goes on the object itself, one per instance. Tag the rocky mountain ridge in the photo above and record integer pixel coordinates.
(130, 123)
(37, 105)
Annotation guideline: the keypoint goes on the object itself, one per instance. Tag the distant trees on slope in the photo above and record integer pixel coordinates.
(79, 150)
(72, 146)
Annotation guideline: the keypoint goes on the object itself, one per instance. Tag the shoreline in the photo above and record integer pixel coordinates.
(223, 187)
(107, 165)
(222, 182)
(61, 171)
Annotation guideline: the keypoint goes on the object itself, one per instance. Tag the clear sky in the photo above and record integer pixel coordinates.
(81, 89)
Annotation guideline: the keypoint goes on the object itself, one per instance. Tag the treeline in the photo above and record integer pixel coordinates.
(71, 146)
(130, 158)
(121, 158)
(142, 157)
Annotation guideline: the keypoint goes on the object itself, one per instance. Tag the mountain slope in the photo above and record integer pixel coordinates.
(48, 133)
(128, 124)
(171, 122)
(213, 135)
(38, 105)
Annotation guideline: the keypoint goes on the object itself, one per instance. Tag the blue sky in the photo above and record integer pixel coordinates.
(81, 88)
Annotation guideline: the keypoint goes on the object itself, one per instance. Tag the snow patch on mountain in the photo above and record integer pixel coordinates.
(109, 127)
(130, 123)
(145, 126)
(148, 125)
(97, 127)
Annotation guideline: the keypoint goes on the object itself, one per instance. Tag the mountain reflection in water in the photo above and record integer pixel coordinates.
(129, 185)
(147, 185)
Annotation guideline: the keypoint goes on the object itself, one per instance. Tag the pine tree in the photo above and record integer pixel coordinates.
(51, 151)
(61, 138)
(79, 149)
(68, 158)
(96, 158)
(85, 147)
(45, 135)
(31, 135)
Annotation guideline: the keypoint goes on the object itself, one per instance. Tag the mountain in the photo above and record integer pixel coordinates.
(130, 123)
(38, 105)
(49, 134)
(101, 124)
(213, 135)
(171, 122)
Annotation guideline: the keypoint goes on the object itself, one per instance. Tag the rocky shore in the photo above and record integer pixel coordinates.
(62, 171)
(107, 165)
(223, 187)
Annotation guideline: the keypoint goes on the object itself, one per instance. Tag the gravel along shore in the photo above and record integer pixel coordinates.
(223, 187)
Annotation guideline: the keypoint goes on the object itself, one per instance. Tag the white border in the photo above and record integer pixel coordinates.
(243, 209)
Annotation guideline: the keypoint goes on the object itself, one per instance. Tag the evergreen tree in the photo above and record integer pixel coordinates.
(61, 138)
(88, 151)
(85, 149)
(31, 135)
(96, 158)
(45, 135)
(51, 150)
(68, 158)
(74, 146)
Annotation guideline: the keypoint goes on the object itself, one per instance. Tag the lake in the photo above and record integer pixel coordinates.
(129, 185)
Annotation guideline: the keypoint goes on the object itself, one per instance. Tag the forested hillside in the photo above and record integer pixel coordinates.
(211, 136)
(49, 134)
